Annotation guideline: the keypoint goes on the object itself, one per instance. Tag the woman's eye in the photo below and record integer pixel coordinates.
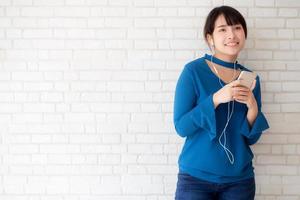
(222, 30)
(238, 27)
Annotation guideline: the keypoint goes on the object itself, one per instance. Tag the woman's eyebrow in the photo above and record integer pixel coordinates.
(223, 25)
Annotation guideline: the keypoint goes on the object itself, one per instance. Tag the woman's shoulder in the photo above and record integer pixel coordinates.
(195, 65)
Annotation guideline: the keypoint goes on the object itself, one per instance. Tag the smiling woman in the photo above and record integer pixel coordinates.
(218, 117)
(226, 31)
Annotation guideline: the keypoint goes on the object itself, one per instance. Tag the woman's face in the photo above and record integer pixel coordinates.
(227, 40)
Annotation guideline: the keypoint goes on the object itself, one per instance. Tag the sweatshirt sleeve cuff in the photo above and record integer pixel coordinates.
(204, 116)
(260, 124)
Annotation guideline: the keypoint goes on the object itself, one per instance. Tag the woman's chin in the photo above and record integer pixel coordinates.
(232, 52)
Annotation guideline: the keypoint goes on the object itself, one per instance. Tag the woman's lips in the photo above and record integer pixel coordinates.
(232, 44)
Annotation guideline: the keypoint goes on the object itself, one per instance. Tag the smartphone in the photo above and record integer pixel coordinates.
(247, 78)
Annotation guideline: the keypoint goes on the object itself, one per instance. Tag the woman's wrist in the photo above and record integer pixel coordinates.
(252, 113)
(252, 105)
(216, 103)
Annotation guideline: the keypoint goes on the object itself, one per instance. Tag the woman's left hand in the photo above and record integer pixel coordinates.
(244, 95)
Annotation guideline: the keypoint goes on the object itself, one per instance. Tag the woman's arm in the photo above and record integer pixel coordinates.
(252, 110)
(191, 115)
(255, 122)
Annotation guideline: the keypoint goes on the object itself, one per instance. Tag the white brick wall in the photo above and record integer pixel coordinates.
(86, 95)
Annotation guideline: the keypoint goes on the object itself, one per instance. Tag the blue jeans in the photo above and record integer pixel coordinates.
(191, 188)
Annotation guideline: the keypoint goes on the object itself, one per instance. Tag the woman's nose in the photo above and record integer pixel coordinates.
(230, 32)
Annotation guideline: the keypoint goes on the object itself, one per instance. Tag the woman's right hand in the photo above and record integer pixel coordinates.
(225, 94)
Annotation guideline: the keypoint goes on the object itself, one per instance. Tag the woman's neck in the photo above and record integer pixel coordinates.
(227, 58)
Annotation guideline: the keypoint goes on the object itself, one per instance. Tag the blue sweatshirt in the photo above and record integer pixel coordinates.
(201, 125)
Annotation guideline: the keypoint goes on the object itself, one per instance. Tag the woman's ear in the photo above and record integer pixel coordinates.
(210, 43)
(210, 40)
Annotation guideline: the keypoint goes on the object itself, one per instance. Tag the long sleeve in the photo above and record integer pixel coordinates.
(190, 115)
(252, 134)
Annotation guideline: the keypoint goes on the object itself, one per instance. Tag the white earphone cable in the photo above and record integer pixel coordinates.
(229, 154)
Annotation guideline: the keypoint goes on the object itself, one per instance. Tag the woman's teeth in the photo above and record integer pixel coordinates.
(232, 44)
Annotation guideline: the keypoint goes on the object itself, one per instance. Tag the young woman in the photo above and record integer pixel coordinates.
(218, 117)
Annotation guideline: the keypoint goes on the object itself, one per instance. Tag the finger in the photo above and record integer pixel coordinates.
(240, 93)
(243, 93)
(240, 98)
(241, 88)
(235, 83)
(240, 101)
(253, 85)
